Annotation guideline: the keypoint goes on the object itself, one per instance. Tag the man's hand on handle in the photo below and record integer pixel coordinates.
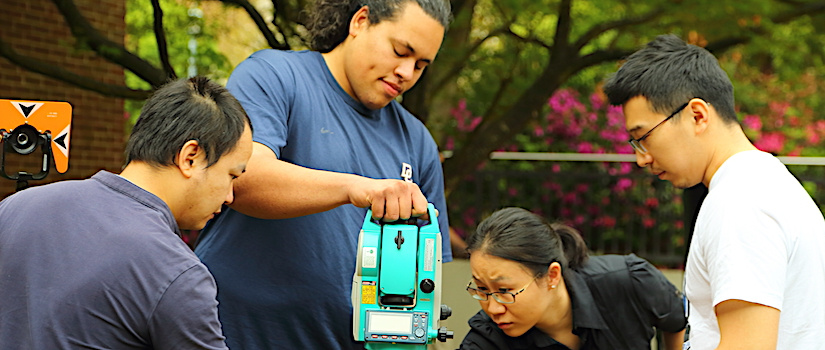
(388, 199)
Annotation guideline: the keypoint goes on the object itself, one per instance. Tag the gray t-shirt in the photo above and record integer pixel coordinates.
(98, 264)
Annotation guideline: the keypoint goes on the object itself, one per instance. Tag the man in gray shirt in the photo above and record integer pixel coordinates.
(98, 263)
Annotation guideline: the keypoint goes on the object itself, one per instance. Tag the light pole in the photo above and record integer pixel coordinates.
(194, 29)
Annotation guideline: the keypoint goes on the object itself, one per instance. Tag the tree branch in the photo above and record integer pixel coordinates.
(807, 9)
(719, 46)
(287, 18)
(271, 40)
(503, 86)
(490, 134)
(532, 40)
(109, 50)
(801, 10)
(561, 39)
(53, 71)
(462, 61)
(280, 14)
(160, 38)
(457, 4)
(601, 28)
(599, 57)
(791, 2)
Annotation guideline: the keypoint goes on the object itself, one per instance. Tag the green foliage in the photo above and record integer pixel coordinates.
(779, 88)
(518, 50)
(778, 76)
(180, 28)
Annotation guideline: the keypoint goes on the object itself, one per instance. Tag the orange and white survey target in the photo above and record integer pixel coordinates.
(45, 116)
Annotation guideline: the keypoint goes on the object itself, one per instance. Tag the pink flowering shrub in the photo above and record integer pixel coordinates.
(785, 131)
(616, 205)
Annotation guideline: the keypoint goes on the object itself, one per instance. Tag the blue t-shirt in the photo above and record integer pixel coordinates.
(97, 264)
(285, 284)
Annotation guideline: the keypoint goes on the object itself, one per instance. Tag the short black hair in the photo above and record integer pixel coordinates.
(183, 110)
(669, 72)
(328, 20)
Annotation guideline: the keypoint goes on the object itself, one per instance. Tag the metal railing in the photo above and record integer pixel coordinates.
(618, 208)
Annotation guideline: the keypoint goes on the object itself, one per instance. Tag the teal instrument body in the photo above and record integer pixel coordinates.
(396, 288)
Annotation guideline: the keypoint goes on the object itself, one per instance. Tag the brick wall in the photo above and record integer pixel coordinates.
(35, 28)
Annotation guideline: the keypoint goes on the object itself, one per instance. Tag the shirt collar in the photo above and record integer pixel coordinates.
(146, 198)
(586, 315)
(585, 312)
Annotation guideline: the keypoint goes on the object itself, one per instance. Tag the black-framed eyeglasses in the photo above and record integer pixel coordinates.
(501, 297)
(637, 143)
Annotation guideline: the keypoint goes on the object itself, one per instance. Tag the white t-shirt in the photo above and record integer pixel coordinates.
(760, 238)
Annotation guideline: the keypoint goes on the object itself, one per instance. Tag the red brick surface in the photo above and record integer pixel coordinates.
(35, 28)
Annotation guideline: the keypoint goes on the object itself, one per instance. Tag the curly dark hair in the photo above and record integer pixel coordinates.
(328, 20)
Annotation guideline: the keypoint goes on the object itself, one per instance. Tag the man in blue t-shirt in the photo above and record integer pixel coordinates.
(99, 263)
(330, 141)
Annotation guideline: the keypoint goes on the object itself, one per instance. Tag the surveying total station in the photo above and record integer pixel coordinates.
(396, 288)
(28, 125)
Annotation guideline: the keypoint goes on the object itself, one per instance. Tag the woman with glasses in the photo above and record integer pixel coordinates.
(538, 289)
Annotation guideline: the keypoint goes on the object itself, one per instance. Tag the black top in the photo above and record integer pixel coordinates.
(617, 301)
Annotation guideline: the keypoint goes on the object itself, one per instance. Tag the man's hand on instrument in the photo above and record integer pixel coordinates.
(389, 199)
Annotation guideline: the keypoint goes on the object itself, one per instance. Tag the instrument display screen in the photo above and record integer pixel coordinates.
(390, 322)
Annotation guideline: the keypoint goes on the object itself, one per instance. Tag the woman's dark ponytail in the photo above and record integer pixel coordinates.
(575, 250)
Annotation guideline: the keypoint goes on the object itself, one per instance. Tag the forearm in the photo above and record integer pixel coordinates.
(674, 341)
(274, 189)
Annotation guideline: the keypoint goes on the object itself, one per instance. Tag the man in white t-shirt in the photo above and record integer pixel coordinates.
(755, 275)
